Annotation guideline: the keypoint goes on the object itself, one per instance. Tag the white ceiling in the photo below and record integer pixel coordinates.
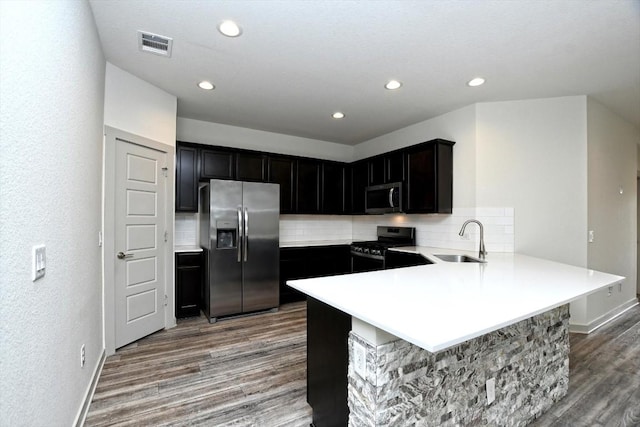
(299, 61)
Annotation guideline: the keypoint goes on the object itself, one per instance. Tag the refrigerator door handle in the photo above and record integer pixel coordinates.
(246, 233)
(240, 235)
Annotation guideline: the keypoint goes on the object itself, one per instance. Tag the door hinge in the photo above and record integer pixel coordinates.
(165, 172)
(166, 236)
(166, 300)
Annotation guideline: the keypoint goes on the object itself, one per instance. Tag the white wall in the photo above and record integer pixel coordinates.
(532, 155)
(613, 166)
(135, 106)
(51, 115)
(209, 133)
(458, 126)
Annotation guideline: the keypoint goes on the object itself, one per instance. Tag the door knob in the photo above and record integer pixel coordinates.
(122, 255)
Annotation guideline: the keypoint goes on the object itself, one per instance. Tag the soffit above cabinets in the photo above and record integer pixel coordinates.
(295, 63)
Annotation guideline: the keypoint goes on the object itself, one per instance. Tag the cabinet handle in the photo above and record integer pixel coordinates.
(246, 234)
(240, 235)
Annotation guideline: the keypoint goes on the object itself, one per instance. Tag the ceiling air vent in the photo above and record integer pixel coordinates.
(154, 43)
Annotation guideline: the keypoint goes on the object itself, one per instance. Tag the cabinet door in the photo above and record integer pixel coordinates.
(251, 167)
(333, 188)
(421, 183)
(430, 178)
(377, 170)
(186, 179)
(189, 279)
(394, 167)
(281, 171)
(216, 164)
(308, 186)
(359, 182)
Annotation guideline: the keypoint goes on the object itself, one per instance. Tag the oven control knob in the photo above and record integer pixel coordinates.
(366, 250)
(376, 252)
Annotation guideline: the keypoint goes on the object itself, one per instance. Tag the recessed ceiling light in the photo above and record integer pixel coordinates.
(206, 85)
(338, 115)
(393, 84)
(229, 29)
(475, 82)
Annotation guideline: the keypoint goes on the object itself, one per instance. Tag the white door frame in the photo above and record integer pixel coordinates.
(108, 225)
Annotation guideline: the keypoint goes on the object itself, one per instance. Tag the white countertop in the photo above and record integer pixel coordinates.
(177, 249)
(302, 244)
(440, 305)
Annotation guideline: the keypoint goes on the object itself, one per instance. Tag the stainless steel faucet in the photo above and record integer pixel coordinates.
(482, 252)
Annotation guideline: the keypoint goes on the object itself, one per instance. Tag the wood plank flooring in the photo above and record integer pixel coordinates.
(252, 372)
(248, 371)
(604, 377)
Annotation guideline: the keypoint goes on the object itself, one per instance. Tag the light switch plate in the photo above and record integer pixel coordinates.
(39, 262)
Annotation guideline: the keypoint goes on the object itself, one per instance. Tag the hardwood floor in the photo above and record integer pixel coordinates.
(251, 371)
(604, 377)
(248, 371)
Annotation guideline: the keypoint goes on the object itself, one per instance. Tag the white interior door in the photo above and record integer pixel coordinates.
(140, 224)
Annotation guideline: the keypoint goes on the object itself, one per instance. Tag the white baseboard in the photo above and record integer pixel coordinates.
(84, 409)
(602, 320)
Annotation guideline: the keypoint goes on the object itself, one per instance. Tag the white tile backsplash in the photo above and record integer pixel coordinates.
(186, 231)
(305, 228)
(439, 231)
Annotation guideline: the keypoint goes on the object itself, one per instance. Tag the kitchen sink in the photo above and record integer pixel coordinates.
(458, 258)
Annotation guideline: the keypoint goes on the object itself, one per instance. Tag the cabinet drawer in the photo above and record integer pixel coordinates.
(189, 259)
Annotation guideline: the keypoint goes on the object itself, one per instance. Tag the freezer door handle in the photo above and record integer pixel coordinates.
(246, 234)
(240, 235)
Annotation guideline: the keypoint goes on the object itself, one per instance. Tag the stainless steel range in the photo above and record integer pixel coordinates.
(370, 255)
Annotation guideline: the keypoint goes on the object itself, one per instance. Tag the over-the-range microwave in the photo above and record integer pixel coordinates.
(384, 198)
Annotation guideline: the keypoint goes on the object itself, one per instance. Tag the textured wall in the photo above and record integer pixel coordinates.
(406, 385)
(612, 167)
(532, 156)
(138, 107)
(51, 113)
(209, 133)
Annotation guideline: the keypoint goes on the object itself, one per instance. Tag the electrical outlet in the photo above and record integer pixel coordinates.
(82, 356)
(39, 262)
(491, 390)
(591, 236)
(359, 359)
(609, 291)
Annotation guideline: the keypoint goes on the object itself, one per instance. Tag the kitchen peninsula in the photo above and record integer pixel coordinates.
(432, 345)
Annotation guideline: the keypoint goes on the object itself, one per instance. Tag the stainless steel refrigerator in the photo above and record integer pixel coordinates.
(239, 229)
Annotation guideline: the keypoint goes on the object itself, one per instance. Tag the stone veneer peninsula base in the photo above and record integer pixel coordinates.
(405, 385)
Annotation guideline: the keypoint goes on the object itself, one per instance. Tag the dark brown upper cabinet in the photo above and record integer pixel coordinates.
(282, 171)
(216, 164)
(376, 171)
(333, 188)
(308, 186)
(186, 179)
(251, 167)
(394, 166)
(359, 183)
(387, 168)
(429, 186)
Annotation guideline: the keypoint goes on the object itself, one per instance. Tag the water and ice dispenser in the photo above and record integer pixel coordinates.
(226, 234)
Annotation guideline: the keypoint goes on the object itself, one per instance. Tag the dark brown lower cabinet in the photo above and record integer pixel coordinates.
(310, 261)
(327, 363)
(189, 282)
